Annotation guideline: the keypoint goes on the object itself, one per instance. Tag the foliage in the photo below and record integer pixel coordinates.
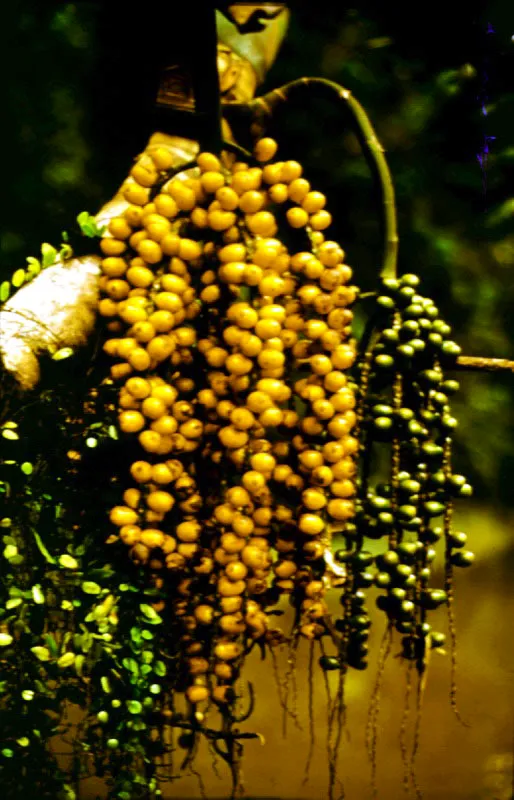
(70, 631)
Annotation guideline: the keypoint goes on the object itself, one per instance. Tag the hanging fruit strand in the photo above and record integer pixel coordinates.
(229, 511)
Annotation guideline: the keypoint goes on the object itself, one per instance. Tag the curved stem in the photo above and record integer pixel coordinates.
(372, 149)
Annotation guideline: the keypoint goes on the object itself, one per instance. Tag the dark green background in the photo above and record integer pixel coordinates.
(72, 122)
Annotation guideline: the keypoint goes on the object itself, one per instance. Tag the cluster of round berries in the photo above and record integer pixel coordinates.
(404, 405)
(232, 351)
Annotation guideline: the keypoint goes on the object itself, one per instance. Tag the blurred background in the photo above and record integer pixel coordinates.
(439, 90)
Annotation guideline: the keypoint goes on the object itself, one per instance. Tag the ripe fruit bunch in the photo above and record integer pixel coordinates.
(405, 405)
(228, 317)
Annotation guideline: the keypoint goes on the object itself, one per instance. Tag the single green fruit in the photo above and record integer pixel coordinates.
(328, 663)
(112, 744)
(410, 279)
(385, 302)
(384, 361)
(462, 558)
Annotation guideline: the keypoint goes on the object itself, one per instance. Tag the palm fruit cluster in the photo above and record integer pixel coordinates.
(227, 315)
(404, 409)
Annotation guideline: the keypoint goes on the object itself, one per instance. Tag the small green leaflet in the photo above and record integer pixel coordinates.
(23, 742)
(5, 290)
(9, 434)
(159, 668)
(134, 706)
(5, 639)
(150, 613)
(42, 653)
(52, 644)
(65, 252)
(68, 561)
(66, 660)
(44, 551)
(106, 686)
(34, 266)
(49, 254)
(18, 279)
(10, 551)
(90, 587)
(27, 468)
(131, 664)
(38, 595)
(88, 225)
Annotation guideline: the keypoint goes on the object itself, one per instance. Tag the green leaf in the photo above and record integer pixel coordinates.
(13, 602)
(131, 664)
(7, 752)
(5, 291)
(134, 706)
(18, 279)
(8, 434)
(148, 635)
(65, 252)
(34, 266)
(79, 663)
(49, 254)
(159, 668)
(155, 688)
(150, 613)
(66, 660)
(52, 644)
(105, 684)
(104, 608)
(10, 551)
(23, 742)
(38, 595)
(17, 560)
(88, 225)
(64, 352)
(6, 522)
(113, 433)
(91, 441)
(145, 669)
(90, 587)
(27, 468)
(135, 634)
(28, 694)
(86, 642)
(5, 639)
(42, 653)
(44, 551)
(68, 561)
